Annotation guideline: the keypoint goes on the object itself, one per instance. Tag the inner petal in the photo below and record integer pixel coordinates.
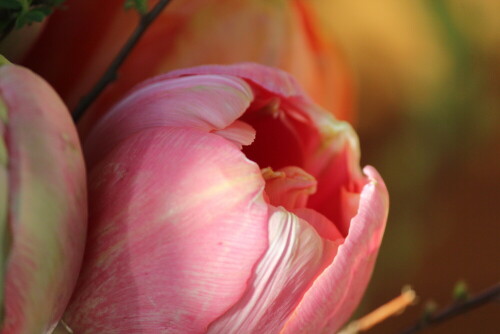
(239, 133)
(294, 133)
(324, 226)
(289, 187)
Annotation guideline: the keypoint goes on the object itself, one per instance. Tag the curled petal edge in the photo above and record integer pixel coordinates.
(338, 289)
(271, 79)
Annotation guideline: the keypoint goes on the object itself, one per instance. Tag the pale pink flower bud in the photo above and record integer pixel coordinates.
(43, 204)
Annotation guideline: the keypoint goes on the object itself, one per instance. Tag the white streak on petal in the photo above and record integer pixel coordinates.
(295, 257)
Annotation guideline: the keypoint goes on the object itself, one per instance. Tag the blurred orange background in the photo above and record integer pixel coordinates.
(427, 75)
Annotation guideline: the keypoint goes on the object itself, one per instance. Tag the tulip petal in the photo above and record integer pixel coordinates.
(289, 187)
(325, 227)
(327, 149)
(273, 80)
(177, 223)
(205, 102)
(335, 165)
(330, 147)
(296, 254)
(240, 133)
(338, 290)
(47, 209)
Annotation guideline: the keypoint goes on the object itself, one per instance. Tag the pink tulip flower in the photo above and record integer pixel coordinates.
(222, 200)
(43, 203)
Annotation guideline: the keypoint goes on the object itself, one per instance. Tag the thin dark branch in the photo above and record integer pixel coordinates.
(111, 73)
(489, 295)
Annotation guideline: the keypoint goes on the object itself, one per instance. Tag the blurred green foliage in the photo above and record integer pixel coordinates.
(141, 6)
(15, 14)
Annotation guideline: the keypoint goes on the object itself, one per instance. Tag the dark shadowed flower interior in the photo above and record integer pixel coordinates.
(288, 137)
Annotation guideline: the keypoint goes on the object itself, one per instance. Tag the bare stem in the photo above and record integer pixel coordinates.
(111, 73)
(489, 295)
(393, 307)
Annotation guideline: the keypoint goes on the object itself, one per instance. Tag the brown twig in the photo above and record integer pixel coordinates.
(489, 295)
(111, 73)
(393, 307)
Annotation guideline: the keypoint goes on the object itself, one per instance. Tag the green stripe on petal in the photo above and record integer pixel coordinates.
(4, 61)
(4, 117)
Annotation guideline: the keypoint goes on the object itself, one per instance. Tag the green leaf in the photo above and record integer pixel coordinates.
(45, 9)
(35, 15)
(29, 17)
(57, 2)
(18, 13)
(21, 21)
(140, 5)
(10, 4)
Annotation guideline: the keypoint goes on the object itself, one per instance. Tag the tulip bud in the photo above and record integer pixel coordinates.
(43, 209)
(224, 201)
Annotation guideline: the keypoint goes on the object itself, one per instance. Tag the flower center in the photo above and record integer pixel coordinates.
(289, 187)
(306, 161)
(276, 144)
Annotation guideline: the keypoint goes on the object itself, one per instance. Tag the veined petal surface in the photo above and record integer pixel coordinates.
(296, 255)
(205, 102)
(177, 226)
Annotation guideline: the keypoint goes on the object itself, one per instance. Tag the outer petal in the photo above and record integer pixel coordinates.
(47, 209)
(177, 224)
(338, 290)
(325, 228)
(273, 80)
(205, 102)
(296, 255)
